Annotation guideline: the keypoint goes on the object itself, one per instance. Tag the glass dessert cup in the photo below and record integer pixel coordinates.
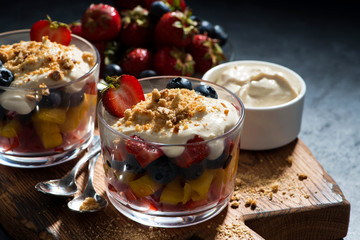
(146, 195)
(61, 124)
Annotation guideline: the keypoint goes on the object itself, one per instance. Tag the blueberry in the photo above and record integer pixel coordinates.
(206, 27)
(72, 99)
(194, 171)
(220, 34)
(206, 91)
(195, 18)
(1, 64)
(162, 170)
(112, 70)
(219, 162)
(6, 77)
(132, 165)
(50, 101)
(158, 8)
(147, 73)
(179, 82)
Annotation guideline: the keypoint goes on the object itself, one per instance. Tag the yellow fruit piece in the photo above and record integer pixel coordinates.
(51, 140)
(10, 129)
(54, 115)
(75, 115)
(124, 176)
(144, 186)
(201, 185)
(173, 193)
(187, 193)
(49, 134)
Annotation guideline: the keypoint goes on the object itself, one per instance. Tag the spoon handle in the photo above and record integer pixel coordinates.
(89, 189)
(94, 148)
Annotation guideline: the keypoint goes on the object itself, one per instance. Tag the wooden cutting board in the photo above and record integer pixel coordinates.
(280, 194)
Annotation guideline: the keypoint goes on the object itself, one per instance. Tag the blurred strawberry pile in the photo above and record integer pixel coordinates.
(148, 38)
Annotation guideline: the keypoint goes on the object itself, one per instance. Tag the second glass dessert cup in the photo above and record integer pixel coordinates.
(61, 124)
(163, 194)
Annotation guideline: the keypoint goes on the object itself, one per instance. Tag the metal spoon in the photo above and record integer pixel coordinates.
(66, 186)
(89, 192)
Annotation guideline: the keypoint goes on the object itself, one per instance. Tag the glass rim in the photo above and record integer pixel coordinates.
(229, 132)
(73, 36)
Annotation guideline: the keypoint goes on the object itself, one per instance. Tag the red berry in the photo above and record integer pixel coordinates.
(123, 93)
(135, 30)
(136, 61)
(206, 52)
(195, 152)
(75, 28)
(100, 22)
(174, 29)
(56, 31)
(173, 61)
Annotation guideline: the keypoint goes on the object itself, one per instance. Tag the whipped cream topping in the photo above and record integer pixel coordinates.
(39, 64)
(174, 116)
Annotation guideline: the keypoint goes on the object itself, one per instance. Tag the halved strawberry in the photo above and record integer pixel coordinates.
(144, 153)
(193, 153)
(122, 93)
(56, 31)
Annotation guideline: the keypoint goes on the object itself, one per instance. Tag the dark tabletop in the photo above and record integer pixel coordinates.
(321, 42)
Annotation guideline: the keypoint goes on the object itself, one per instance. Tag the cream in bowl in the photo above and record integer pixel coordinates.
(273, 96)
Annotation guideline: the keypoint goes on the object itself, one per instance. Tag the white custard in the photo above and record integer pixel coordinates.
(174, 116)
(258, 86)
(41, 65)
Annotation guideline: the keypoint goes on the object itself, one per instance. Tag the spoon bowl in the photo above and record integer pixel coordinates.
(66, 186)
(89, 194)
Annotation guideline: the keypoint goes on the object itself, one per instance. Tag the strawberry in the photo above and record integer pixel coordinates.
(206, 52)
(136, 60)
(173, 61)
(56, 31)
(100, 22)
(144, 153)
(193, 153)
(174, 29)
(135, 30)
(75, 28)
(122, 93)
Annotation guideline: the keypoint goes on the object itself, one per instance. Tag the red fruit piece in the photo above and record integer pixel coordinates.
(123, 92)
(173, 61)
(75, 28)
(100, 22)
(137, 60)
(174, 29)
(135, 30)
(144, 153)
(193, 153)
(56, 31)
(206, 52)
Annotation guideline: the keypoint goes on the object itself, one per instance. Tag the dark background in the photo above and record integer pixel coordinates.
(320, 41)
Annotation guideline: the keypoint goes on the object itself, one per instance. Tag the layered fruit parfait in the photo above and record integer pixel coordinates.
(170, 155)
(47, 98)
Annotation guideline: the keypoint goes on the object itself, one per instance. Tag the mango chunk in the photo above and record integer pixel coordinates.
(187, 193)
(53, 115)
(173, 193)
(10, 129)
(51, 140)
(201, 186)
(144, 186)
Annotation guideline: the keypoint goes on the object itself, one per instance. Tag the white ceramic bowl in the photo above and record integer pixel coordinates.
(268, 127)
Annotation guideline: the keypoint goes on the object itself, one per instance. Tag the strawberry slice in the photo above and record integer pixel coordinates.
(122, 93)
(193, 153)
(144, 153)
(56, 31)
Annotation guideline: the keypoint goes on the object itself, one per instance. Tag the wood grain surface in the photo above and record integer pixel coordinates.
(279, 194)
